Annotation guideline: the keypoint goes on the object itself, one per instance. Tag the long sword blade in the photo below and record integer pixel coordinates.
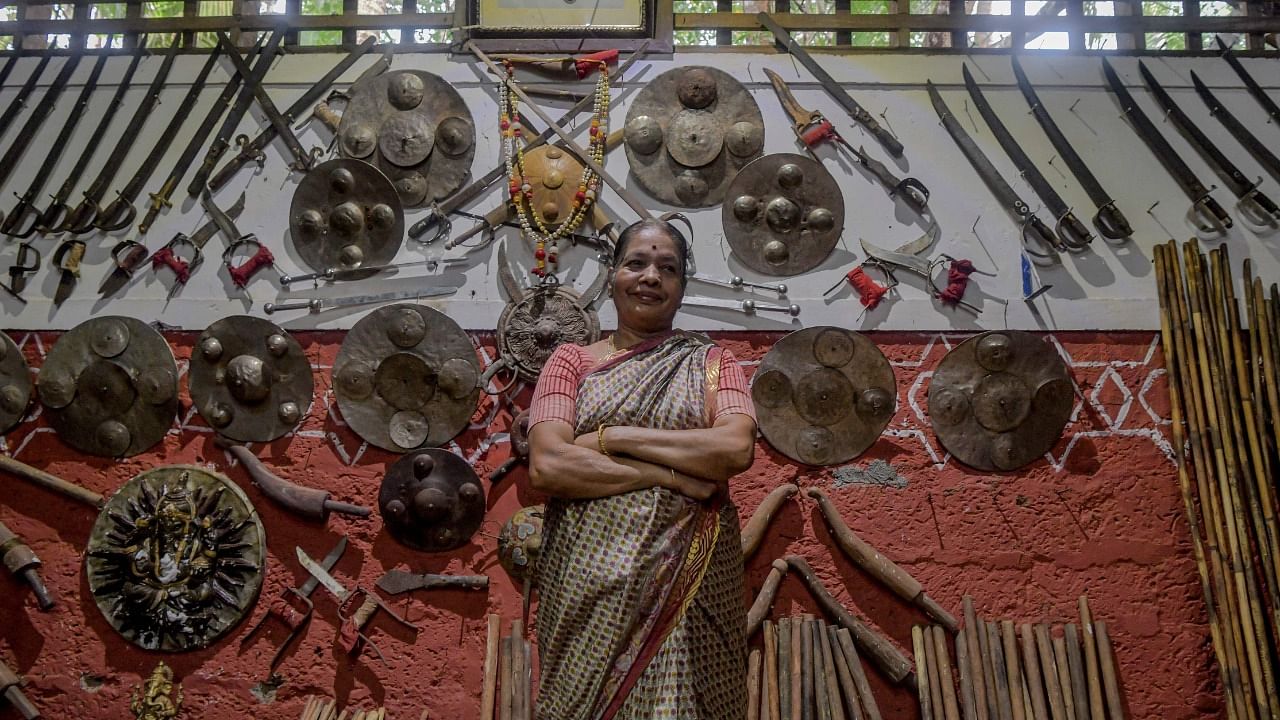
(42, 110)
(327, 563)
(1255, 89)
(301, 158)
(322, 575)
(1256, 147)
(20, 100)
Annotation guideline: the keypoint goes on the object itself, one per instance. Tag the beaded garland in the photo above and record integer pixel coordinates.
(521, 191)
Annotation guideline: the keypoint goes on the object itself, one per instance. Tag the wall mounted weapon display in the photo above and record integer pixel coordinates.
(907, 258)
(15, 383)
(431, 500)
(784, 214)
(356, 607)
(1109, 220)
(129, 255)
(13, 156)
(19, 101)
(1251, 203)
(1205, 212)
(1272, 108)
(1258, 149)
(293, 607)
(1073, 235)
(305, 502)
(346, 214)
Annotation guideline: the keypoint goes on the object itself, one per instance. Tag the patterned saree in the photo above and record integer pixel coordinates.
(640, 611)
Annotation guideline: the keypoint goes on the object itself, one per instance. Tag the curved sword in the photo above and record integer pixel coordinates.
(1256, 147)
(1273, 110)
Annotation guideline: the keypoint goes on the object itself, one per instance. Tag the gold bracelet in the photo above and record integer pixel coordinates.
(673, 477)
(600, 440)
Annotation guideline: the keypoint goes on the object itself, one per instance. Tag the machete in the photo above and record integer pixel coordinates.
(1109, 220)
(1033, 229)
(302, 160)
(1260, 151)
(13, 156)
(52, 219)
(1072, 233)
(160, 199)
(19, 101)
(1273, 110)
(1203, 206)
(26, 201)
(121, 211)
(835, 89)
(1250, 199)
(251, 150)
(80, 220)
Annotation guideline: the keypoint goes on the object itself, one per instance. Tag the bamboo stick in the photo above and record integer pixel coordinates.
(797, 668)
(1115, 707)
(807, 695)
(1049, 668)
(930, 660)
(999, 672)
(490, 666)
(1096, 709)
(922, 673)
(1013, 670)
(945, 678)
(526, 681)
(1031, 674)
(753, 685)
(505, 694)
(830, 673)
(764, 599)
(967, 706)
(988, 671)
(1075, 668)
(517, 670)
(975, 659)
(770, 686)
(821, 698)
(869, 706)
(848, 689)
(1064, 675)
(784, 667)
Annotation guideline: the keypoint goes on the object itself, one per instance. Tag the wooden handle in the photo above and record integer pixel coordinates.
(844, 677)
(1064, 675)
(51, 482)
(490, 666)
(863, 555)
(772, 709)
(1075, 663)
(988, 670)
(974, 659)
(326, 115)
(1092, 675)
(967, 705)
(929, 663)
(797, 669)
(504, 684)
(365, 612)
(829, 689)
(753, 685)
(949, 702)
(883, 653)
(1034, 680)
(922, 673)
(1000, 672)
(807, 692)
(753, 531)
(764, 599)
(1049, 668)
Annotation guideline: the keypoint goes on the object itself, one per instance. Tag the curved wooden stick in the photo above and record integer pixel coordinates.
(51, 482)
(753, 531)
(764, 599)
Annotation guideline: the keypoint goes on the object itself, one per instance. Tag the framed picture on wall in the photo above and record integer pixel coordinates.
(569, 25)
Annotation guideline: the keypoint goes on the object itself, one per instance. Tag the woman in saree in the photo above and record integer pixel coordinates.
(635, 438)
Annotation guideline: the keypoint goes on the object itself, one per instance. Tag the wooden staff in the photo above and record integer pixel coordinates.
(872, 562)
(771, 709)
(967, 705)
(52, 482)
(945, 677)
(753, 685)
(922, 673)
(505, 695)
(784, 668)
(753, 531)
(1265, 332)
(1092, 674)
(1115, 708)
(807, 696)
(526, 682)
(975, 659)
(1031, 673)
(1064, 675)
(930, 663)
(882, 652)
(823, 677)
(1049, 666)
(797, 668)
(1013, 671)
(832, 672)
(518, 674)
(848, 689)
(490, 666)
(869, 706)
(988, 671)
(764, 599)
(1075, 669)
(1000, 671)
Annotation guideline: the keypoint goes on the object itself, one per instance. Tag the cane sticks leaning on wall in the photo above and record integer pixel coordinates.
(1225, 409)
(807, 670)
(1018, 672)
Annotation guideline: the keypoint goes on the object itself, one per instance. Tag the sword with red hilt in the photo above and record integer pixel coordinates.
(168, 257)
(293, 607)
(351, 637)
(812, 128)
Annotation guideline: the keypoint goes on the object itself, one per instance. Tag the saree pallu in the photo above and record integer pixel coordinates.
(640, 611)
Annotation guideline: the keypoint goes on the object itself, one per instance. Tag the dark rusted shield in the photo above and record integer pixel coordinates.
(415, 128)
(406, 376)
(537, 320)
(783, 214)
(688, 133)
(249, 379)
(346, 215)
(176, 558)
(15, 383)
(110, 386)
(431, 500)
(823, 395)
(1000, 400)
(520, 542)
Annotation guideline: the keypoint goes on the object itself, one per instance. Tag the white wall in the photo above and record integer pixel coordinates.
(1110, 287)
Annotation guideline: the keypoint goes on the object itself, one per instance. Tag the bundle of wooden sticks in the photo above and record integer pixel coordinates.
(508, 674)
(318, 709)
(1027, 672)
(807, 669)
(1224, 403)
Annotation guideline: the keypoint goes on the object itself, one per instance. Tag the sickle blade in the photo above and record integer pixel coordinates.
(507, 276)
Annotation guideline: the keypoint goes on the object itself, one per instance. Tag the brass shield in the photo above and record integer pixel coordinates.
(15, 383)
(346, 215)
(783, 214)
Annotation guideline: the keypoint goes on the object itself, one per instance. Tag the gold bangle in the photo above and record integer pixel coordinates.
(600, 440)
(673, 477)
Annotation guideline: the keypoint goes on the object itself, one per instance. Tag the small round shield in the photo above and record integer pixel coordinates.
(345, 215)
(15, 383)
(785, 214)
(431, 500)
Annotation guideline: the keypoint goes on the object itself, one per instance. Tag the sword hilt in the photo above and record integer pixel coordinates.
(182, 267)
(159, 201)
(1259, 208)
(51, 219)
(15, 217)
(914, 194)
(434, 217)
(128, 255)
(23, 266)
(1112, 223)
(119, 214)
(1038, 241)
(1073, 234)
(80, 220)
(288, 280)
(1208, 209)
(260, 260)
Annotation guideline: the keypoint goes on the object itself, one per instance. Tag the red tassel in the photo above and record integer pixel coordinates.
(870, 292)
(817, 134)
(243, 274)
(180, 267)
(588, 64)
(957, 281)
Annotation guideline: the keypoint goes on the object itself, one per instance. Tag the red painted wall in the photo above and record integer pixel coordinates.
(1102, 515)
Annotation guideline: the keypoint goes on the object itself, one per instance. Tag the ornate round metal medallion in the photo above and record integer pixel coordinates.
(110, 386)
(1000, 400)
(15, 383)
(553, 174)
(520, 542)
(431, 500)
(824, 395)
(406, 376)
(346, 215)
(176, 558)
(688, 132)
(421, 129)
(783, 214)
(250, 379)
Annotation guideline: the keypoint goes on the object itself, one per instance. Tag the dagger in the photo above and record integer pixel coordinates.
(351, 635)
(293, 606)
(400, 581)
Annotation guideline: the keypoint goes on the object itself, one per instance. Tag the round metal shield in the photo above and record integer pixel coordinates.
(431, 500)
(249, 379)
(420, 126)
(406, 376)
(1000, 400)
(110, 386)
(520, 542)
(553, 174)
(533, 326)
(688, 133)
(15, 383)
(784, 214)
(824, 395)
(346, 215)
(175, 560)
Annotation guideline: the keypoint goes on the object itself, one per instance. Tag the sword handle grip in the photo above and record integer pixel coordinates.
(1038, 241)
(1073, 234)
(350, 635)
(882, 134)
(261, 259)
(312, 305)
(1208, 208)
(1112, 223)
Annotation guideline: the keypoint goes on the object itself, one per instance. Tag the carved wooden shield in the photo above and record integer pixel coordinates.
(783, 214)
(110, 386)
(249, 379)
(406, 376)
(15, 383)
(823, 395)
(175, 559)
(1000, 400)
(431, 500)
(688, 133)
(415, 128)
(346, 215)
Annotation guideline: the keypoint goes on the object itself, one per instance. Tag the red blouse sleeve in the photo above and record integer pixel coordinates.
(733, 395)
(556, 394)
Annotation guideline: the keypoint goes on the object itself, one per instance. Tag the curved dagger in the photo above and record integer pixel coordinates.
(1109, 220)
